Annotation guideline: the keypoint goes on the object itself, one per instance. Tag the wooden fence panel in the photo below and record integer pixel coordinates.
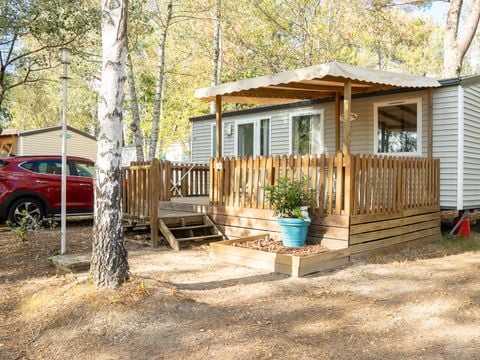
(344, 185)
(244, 180)
(143, 182)
(394, 184)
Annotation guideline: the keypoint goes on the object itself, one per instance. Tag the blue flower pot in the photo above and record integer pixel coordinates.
(294, 231)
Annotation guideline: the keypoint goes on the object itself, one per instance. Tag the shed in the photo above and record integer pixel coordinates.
(47, 141)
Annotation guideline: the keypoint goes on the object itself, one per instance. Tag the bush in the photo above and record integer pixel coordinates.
(28, 224)
(287, 197)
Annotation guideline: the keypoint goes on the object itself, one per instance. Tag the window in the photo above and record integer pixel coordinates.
(307, 134)
(397, 127)
(252, 137)
(49, 167)
(85, 169)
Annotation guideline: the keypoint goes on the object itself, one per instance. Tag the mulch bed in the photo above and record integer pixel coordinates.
(271, 245)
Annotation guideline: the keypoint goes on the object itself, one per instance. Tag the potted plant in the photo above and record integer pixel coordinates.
(287, 198)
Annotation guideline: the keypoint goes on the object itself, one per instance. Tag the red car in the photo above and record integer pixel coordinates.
(33, 184)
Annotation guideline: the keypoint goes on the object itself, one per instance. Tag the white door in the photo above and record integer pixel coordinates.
(253, 137)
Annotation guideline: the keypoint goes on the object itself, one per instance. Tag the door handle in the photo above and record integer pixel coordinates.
(40, 182)
(83, 184)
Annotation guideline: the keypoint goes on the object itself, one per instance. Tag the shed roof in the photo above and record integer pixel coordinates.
(43, 130)
(314, 82)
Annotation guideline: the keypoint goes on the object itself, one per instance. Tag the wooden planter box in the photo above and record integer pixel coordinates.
(294, 265)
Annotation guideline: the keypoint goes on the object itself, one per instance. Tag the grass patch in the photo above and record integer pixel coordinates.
(470, 244)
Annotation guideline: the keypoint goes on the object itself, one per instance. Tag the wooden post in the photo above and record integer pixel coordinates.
(218, 112)
(430, 124)
(348, 182)
(153, 187)
(347, 110)
(337, 122)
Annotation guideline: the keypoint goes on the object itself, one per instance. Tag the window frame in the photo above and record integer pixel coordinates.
(378, 105)
(256, 133)
(307, 113)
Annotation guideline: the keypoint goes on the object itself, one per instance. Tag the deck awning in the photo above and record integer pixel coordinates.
(315, 82)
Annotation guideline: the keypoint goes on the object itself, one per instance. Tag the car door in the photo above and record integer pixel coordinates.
(81, 185)
(45, 179)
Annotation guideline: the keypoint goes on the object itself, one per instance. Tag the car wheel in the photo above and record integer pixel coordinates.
(32, 208)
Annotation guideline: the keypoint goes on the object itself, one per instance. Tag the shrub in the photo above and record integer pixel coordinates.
(287, 197)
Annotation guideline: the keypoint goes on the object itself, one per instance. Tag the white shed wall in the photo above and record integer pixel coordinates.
(50, 143)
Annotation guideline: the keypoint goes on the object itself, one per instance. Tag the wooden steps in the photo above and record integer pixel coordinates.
(184, 230)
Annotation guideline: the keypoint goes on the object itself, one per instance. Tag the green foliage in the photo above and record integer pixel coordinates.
(32, 32)
(288, 196)
(28, 224)
(258, 38)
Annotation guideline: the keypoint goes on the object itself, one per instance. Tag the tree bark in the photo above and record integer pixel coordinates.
(217, 50)
(455, 46)
(157, 105)
(109, 264)
(135, 124)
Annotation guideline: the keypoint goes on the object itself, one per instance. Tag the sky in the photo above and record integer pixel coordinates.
(437, 12)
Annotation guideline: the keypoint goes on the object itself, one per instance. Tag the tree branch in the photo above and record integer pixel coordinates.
(470, 28)
(28, 53)
(10, 50)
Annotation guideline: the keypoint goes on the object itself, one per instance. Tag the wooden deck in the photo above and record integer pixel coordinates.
(363, 202)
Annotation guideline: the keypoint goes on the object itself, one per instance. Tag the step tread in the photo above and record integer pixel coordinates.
(200, 238)
(190, 227)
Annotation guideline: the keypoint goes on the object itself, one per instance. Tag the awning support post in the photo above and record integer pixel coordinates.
(347, 111)
(218, 117)
(337, 122)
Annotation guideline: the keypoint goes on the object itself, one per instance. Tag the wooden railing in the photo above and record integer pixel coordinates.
(240, 182)
(385, 184)
(146, 183)
(139, 197)
(344, 185)
(189, 179)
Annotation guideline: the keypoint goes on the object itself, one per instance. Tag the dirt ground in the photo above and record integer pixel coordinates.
(418, 303)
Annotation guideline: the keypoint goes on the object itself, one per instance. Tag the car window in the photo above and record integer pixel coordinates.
(29, 165)
(49, 167)
(85, 169)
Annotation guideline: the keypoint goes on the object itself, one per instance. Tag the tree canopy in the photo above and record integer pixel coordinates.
(256, 38)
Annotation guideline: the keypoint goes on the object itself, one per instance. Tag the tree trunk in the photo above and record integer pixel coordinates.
(456, 44)
(217, 50)
(157, 105)
(2, 94)
(135, 124)
(109, 265)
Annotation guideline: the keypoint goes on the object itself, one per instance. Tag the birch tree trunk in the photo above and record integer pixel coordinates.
(109, 264)
(456, 44)
(217, 50)
(135, 124)
(157, 105)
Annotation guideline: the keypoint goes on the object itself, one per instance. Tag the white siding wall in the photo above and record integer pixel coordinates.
(361, 129)
(445, 144)
(471, 167)
(201, 140)
(50, 143)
